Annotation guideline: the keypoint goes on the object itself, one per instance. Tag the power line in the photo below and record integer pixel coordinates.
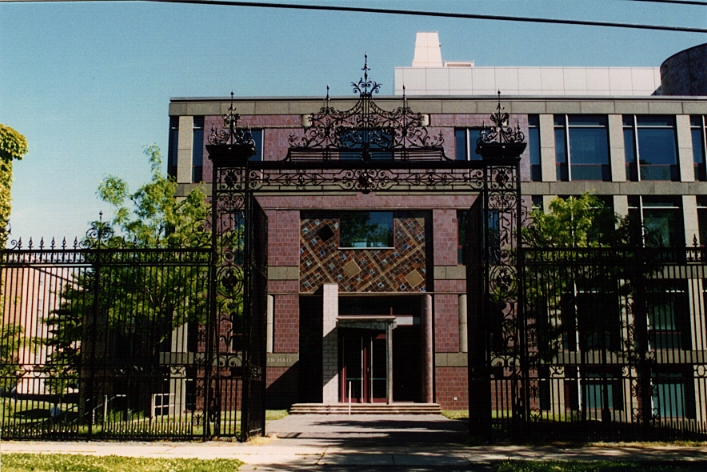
(473, 16)
(677, 2)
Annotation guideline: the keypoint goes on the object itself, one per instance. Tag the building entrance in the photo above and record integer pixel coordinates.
(363, 366)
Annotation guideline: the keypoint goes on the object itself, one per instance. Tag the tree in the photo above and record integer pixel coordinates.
(575, 222)
(138, 288)
(13, 146)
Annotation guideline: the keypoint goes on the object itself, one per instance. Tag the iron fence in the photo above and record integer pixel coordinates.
(108, 343)
(610, 344)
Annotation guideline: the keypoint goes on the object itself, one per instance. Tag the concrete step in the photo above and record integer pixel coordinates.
(366, 409)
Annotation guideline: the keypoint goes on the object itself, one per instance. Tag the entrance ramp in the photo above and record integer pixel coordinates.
(366, 409)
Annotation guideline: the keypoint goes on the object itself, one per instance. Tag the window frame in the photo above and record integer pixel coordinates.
(634, 168)
(467, 149)
(698, 132)
(197, 151)
(562, 126)
(391, 235)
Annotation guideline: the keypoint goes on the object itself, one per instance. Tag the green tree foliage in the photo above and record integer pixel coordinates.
(575, 222)
(12, 146)
(129, 301)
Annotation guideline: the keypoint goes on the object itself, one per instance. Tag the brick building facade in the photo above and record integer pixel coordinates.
(352, 275)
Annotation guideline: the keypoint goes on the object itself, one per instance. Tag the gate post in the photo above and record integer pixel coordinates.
(494, 277)
(236, 272)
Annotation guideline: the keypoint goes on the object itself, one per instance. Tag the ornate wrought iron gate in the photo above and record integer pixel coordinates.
(208, 366)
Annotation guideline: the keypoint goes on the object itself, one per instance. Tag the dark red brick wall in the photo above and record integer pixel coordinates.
(451, 382)
(286, 323)
(283, 237)
(281, 387)
(445, 237)
(446, 322)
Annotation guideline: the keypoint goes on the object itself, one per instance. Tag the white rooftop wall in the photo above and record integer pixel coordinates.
(545, 81)
(429, 76)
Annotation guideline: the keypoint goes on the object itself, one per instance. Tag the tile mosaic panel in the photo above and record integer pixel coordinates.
(402, 268)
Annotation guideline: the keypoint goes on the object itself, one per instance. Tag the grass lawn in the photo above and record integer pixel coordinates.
(76, 463)
(599, 466)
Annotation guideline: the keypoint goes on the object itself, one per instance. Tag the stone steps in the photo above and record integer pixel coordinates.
(366, 409)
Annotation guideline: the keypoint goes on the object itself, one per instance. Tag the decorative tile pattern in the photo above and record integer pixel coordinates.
(399, 269)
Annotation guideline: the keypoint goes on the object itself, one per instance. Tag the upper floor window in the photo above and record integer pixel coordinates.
(465, 144)
(366, 229)
(377, 142)
(173, 146)
(582, 147)
(699, 150)
(534, 147)
(650, 146)
(197, 150)
(257, 135)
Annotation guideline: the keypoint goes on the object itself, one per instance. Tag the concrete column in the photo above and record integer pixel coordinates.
(184, 149)
(389, 362)
(548, 169)
(269, 329)
(686, 160)
(617, 153)
(429, 351)
(621, 204)
(689, 215)
(463, 335)
(330, 344)
(547, 199)
(178, 377)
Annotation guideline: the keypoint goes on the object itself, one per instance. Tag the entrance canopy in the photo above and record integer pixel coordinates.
(379, 323)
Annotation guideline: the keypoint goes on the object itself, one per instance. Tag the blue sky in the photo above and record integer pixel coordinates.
(89, 83)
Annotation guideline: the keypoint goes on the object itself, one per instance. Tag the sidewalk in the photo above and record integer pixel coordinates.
(361, 443)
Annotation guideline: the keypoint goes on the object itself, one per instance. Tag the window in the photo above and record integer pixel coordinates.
(668, 315)
(197, 150)
(650, 146)
(591, 317)
(582, 147)
(372, 229)
(172, 151)
(657, 221)
(378, 142)
(697, 129)
(161, 403)
(465, 144)
(702, 219)
(257, 135)
(493, 236)
(602, 391)
(673, 395)
(461, 235)
(534, 147)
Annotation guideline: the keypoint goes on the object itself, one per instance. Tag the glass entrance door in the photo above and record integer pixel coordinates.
(363, 366)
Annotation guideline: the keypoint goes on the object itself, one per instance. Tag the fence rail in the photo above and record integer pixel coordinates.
(614, 346)
(109, 343)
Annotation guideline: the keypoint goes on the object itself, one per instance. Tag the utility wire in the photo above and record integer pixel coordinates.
(676, 2)
(474, 16)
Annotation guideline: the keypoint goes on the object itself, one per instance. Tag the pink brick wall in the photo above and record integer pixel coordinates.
(452, 382)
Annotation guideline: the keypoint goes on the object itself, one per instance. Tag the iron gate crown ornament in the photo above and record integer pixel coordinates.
(230, 143)
(366, 132)
(501, 140)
